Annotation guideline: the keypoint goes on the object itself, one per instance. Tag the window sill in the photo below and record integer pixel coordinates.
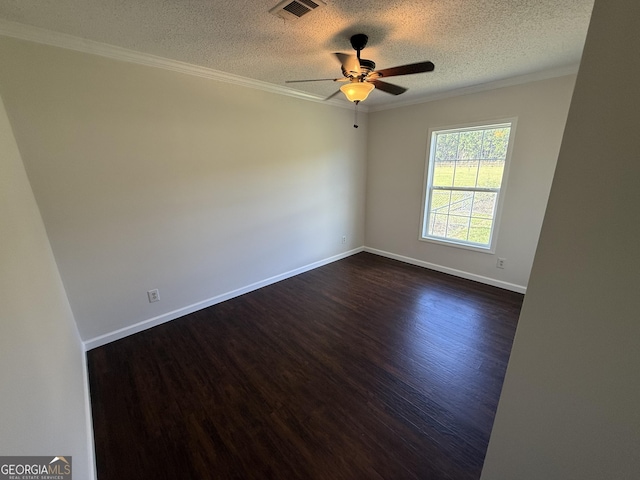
(465, 246)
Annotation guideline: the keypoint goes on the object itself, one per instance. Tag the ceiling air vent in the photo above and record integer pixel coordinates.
(294, 9)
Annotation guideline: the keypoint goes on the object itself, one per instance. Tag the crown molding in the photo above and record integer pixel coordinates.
(482, 87)
(69, 42)
(62, 40)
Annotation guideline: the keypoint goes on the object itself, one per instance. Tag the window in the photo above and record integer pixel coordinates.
(465, 177)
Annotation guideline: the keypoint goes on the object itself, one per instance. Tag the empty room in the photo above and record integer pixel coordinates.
(319, 240)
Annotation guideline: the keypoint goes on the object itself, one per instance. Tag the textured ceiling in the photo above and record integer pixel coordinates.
(471, 42)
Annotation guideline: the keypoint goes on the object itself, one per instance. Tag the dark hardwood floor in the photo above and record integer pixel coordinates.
(366, 368)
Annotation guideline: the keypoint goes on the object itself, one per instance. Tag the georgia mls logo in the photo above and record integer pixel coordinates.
(35, 468)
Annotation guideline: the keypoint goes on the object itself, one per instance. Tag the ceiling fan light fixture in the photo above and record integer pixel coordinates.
(357, 91)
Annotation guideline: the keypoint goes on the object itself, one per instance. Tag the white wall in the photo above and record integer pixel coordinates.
(148, 178)
(397, 148)
(570, 406)
(43, 399)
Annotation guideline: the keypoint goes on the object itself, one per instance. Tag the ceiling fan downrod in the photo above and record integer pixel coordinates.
(358, 42)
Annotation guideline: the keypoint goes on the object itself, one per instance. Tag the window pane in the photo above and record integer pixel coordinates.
(484, 204)
(438, 225)
(480, 230)
(490, 173)
(466, 173)
(470, 146)
(443, 174)
(495, 143)
(440, 200)
(446, 146)
(458, 227)
(461, 203)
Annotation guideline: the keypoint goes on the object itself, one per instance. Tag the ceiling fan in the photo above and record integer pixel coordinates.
(362, 75)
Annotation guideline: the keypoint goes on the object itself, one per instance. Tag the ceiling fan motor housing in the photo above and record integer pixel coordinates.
(366, 67)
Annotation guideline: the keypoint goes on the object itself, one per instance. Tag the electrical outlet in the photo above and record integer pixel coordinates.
(344, 239)
(154, 295)
(501, 263)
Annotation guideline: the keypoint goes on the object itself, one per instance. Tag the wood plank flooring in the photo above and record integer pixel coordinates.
(366, 368)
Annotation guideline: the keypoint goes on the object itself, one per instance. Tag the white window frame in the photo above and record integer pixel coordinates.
(500, 192)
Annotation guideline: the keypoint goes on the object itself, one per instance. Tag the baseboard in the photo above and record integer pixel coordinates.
(451, 271)
(166, 317)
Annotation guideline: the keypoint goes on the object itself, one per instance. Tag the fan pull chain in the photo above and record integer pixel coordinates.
(355, 119)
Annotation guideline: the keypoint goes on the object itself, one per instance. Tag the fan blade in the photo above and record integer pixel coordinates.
(316, 80)
(332, 95)
(350, 63)
(388, 87)
(420, 67)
